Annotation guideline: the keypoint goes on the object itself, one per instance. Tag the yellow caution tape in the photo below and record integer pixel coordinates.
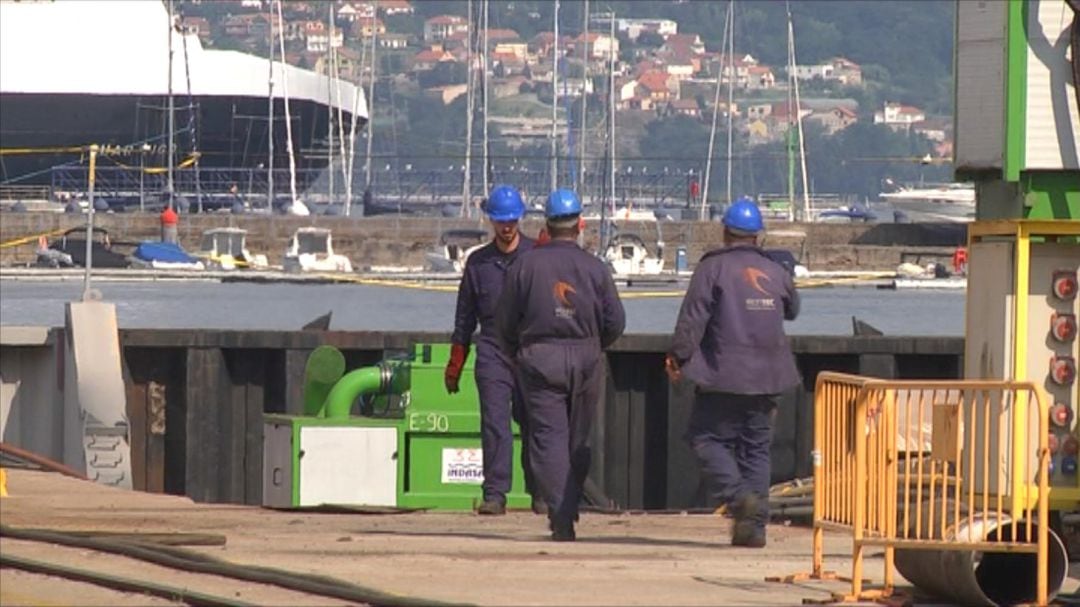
(32, 238)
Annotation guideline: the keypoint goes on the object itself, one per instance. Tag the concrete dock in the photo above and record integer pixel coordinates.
(627, 559)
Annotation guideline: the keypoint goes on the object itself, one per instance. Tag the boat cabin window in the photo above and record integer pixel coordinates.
(311, 243)
(234, 245)
(628, 251)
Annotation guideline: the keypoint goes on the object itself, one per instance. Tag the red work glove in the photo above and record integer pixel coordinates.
(458, 354)
(671, 367)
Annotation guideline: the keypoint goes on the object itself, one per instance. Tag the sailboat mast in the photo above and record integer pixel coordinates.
(330, 105)
(580, 185)
(172, 110)
(716, 110)
(484, 92)
(730, 94)
(466, 182)
(805, 209)
(611, 115)
(270, 114)
(554, 101)
(288, 117)
(371, 101)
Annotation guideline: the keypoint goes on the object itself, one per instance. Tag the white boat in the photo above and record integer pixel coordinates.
(312, 250)
(454, 249)
(226, 249)
(953, 202)
(628, 255)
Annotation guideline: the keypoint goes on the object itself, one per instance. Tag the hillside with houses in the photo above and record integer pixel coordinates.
(664, 75)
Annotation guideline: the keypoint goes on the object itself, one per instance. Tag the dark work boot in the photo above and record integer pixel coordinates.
(491, 507)
(562, 531)
(747, 534)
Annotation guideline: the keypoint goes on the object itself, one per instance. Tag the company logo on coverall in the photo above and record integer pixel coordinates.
(753, 277)
(564, 308)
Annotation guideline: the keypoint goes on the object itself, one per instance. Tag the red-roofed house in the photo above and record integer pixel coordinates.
(497, 35)
(657, 85)
(760, 77)
(834, 120)
(428, 58)
(442, 27)
(518, 48)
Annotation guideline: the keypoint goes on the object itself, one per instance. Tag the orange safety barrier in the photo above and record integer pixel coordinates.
(924, 465)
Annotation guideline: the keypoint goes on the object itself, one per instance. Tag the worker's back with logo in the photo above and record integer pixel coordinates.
(743, 297)
(559, 293)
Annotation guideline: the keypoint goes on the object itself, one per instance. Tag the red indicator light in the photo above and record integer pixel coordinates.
(1062, 370)
(1063, 327)
(1061, 415)
(1065, 284)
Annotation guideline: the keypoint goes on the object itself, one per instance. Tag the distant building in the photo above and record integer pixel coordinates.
(936, 130)
(349, 13)
(430, 57)
(365, 27)
(396, 7)
(835, 119)
(898, 116)
(837, 69)
(690, 43)
(392, 41)
(446, 94)
(597, 46)
(684, 107)
(633, 28)
(442, 27)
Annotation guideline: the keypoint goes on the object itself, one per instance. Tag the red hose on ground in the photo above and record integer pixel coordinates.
(44, 462)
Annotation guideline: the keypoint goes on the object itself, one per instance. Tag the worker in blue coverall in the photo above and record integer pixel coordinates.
(729, 341)
(559, 309)
(500, 397)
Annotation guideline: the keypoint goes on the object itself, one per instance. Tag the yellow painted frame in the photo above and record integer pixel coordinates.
(1023, 231)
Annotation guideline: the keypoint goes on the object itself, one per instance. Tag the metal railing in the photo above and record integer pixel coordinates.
(930, 465)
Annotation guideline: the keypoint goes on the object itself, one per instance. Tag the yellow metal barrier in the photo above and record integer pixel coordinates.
(925, 465)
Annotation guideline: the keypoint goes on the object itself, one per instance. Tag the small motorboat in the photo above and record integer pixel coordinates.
(69, 250)
(454, 249)
(312, 250)
(163, 256)
(226, 249)
(628, 255)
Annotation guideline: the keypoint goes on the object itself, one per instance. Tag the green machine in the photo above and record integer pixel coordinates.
(409, 444)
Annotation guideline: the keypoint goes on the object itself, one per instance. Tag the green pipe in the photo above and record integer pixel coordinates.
(341, 397)
(324, 368)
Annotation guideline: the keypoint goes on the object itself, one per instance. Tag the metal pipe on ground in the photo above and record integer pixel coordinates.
(970, 577)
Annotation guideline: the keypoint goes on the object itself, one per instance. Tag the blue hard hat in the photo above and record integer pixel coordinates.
(562, 203)
(743, 216)
(504, 203)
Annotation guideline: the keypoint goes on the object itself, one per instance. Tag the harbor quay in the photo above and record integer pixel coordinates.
(403, 241)
(196, 401)
(196, 405)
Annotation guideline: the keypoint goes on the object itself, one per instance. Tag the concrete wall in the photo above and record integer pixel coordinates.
(404, 240)
(195, 401)
(31, 390)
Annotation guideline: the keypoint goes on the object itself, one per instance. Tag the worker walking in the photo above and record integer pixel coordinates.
(729, 341)
(559, 309)
(500, 397)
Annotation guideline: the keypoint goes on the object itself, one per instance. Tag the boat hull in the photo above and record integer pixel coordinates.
(226, 131)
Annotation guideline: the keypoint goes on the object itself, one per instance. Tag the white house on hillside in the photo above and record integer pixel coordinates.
(899, 116)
